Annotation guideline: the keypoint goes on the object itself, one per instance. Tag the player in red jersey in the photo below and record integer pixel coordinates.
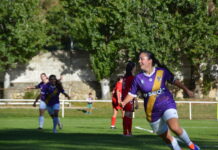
(116, 100)
(129, 107)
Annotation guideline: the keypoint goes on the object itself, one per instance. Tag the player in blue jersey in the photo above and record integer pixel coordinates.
(160, 107)
(50, 95)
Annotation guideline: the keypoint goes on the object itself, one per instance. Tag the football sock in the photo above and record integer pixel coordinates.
(113, 121)
(185, 138)
(41, 121)
(55, 122)
(124, 125)
(130, 125)
(174, 145)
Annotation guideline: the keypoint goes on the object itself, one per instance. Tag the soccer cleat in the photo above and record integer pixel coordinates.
(60, 125)
(39, 128)
(113, 127)
(194, 147)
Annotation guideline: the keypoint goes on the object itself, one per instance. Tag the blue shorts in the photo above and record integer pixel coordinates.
(52, 108)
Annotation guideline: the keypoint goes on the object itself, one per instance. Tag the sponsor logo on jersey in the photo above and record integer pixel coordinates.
(158, 92)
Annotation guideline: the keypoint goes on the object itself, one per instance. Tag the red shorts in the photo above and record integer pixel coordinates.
(129, 106)
(115, 104)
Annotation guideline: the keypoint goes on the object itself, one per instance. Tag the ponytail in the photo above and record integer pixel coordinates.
(129, 67)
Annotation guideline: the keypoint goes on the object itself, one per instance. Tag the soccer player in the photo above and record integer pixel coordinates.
(129, 107)
(116, 100)
(50, 95)
(89, 103)
(42, 105)
(159, 104)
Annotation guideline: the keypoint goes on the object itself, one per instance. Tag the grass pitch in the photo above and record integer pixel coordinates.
(91, 132)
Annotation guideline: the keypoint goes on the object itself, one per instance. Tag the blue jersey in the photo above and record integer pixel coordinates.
(50, 94)
(157, 97)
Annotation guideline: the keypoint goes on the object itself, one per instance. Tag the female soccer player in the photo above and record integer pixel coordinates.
(159, 104)
(129, 107)
(42, 105)
(116, 100)
(50, 95)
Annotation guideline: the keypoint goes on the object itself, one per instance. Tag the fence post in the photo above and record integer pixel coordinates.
(62, 108)
(190, 111)
(217, 111)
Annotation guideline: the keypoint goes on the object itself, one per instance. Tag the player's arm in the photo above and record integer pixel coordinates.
(66, 95)
(36, 100)
(32, 87)
(182, 86)
(127, 99)
(118, 96)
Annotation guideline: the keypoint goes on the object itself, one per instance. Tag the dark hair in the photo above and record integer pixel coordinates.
(58, 82)
(154, 60)
(119, 78)
(129, 67)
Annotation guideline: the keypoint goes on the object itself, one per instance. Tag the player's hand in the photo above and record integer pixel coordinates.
(34, 104)
(190, 93)
(122, 104)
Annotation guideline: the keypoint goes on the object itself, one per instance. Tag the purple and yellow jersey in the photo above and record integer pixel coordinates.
(157, 98)
(50, 94)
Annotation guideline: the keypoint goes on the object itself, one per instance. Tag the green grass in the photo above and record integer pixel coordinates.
(91, 132)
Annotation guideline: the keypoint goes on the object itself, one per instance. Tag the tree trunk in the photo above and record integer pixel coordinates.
(105, 89)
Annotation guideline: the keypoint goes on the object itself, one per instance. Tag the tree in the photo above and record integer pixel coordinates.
(22, 32)
(113, 31)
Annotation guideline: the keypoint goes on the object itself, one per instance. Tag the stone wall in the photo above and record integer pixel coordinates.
(73, 66)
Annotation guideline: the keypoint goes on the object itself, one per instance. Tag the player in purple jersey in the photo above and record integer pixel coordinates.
(42, 105)
(159, 105)
(50, 95)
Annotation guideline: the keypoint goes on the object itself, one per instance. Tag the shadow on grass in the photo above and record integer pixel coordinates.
(22, 139)
(31, 139)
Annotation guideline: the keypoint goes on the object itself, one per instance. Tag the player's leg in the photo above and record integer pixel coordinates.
(160, 128)
(127, 123)
(42, 108)
(171, 117)
(113, 119)
(56, 120)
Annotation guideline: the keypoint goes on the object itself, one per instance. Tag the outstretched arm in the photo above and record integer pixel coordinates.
(66, 95)
(182, 86)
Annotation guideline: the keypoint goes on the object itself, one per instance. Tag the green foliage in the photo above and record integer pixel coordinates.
(115, 30)
(31, 94)
(22, 32)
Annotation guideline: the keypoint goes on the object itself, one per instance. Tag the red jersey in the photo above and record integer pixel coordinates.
(127, 83)
(118, 87)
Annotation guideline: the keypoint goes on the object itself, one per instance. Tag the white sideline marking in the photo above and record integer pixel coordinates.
(140, 128)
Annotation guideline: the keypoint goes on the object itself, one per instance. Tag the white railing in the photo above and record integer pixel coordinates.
(66, 102)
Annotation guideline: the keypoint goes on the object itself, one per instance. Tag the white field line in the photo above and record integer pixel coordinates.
(140, 128)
